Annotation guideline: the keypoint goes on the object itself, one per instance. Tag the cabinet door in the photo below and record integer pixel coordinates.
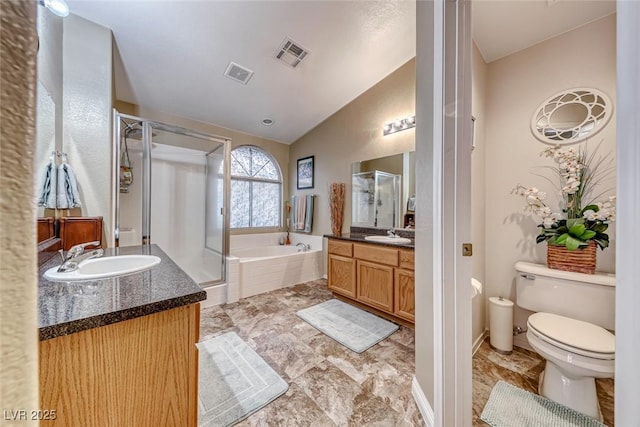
(375, 285)
(342, 275)
(405, 301)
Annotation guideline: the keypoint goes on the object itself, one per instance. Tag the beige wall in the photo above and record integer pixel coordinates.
(278, 150)
(354, 133)
(18, 282)
(516, 85)
(478, 110)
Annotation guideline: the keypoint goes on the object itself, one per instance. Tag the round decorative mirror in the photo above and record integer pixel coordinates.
(571, 116)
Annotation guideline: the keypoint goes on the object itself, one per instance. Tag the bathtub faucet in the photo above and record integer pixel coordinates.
(305, 248)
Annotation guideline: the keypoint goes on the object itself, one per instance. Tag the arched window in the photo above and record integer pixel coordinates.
(256, 188)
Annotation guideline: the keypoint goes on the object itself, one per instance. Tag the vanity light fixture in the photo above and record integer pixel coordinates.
(398, 125)
(57, 7)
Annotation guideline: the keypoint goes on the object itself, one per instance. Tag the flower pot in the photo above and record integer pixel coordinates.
(581, 260)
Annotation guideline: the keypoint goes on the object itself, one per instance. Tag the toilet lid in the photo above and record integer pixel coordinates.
(574, 333)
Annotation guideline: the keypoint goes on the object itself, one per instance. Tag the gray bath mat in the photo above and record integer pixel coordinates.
(352, 327)
(234, 381)
(510, 406)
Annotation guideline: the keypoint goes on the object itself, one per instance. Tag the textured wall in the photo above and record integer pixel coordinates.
(18, 284)
(353, 134)
(516, 85)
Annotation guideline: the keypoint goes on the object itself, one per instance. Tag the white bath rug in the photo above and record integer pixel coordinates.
(352, 327)
(233, 381)
(510, 406)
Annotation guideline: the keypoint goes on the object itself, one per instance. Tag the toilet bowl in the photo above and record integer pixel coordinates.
(569, 329)
(576, 353)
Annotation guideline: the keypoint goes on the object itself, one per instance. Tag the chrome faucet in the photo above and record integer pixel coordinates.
(76, 254)
(391, 233)
(305, 248)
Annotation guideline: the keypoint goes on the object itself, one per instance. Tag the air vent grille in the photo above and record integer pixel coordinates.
(238, 73)
(290, 53)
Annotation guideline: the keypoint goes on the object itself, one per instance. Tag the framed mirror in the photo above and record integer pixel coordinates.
(571, 116)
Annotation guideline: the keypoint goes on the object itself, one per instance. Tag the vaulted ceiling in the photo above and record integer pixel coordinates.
(172, 55)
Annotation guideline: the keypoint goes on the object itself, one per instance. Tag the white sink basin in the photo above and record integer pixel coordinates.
(101, 268)
(389, 239)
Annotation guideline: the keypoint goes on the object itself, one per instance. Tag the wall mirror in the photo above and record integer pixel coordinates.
(571, 116)
(48, 108)
(382, 189)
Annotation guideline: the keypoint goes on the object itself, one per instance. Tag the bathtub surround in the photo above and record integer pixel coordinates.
(352, 327)
(234, 381)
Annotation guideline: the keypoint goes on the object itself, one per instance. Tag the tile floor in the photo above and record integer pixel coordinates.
(331, 385)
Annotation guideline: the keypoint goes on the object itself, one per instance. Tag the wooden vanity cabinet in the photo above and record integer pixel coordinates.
(138, 372)
(342, 268)
(376, 277)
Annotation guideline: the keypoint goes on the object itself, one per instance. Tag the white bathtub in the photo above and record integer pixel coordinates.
(266, 268)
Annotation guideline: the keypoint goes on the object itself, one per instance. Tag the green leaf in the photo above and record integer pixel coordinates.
(602, 243)
(600, 227)
(577, 229)
(560, 240)
(588, 234)
(573, 221)
(572, 243)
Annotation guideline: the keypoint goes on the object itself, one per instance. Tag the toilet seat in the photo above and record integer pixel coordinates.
(573, 335)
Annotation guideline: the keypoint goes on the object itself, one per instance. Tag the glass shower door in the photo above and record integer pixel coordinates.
(187, 200)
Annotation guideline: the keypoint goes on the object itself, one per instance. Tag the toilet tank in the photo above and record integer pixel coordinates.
(587, 297)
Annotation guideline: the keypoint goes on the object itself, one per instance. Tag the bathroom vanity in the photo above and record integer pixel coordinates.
(375, 276)
(120, 351)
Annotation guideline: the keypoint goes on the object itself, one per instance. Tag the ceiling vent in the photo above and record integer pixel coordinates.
(290, 53)
(238, 73)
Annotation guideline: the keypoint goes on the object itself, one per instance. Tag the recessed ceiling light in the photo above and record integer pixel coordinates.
(267, 122)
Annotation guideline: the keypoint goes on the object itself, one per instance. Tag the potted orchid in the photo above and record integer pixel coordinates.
(581, 222)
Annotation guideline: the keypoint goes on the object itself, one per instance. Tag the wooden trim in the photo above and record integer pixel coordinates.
(404, 300)
(132, 373)
(376, 253)
(80, 229)
(337, 270)
(194, 316)
(339, 247)
(374, 284)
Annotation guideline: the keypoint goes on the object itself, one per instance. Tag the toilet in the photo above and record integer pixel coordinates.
(570, 329)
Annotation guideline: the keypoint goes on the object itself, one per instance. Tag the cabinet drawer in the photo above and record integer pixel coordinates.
(340, 247)
(375, 253)
(407, 258)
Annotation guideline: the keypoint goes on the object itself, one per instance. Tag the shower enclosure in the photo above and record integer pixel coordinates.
(172, 187)
(375, 199)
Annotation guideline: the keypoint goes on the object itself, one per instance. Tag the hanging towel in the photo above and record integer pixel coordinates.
(67, 194)
(300, 212)
(48, 187)
(308, 219)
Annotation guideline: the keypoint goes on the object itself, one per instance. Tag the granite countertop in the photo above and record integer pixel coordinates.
(70, 307)
(359, 234)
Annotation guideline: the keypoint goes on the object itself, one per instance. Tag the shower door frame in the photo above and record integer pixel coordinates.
(147, 125)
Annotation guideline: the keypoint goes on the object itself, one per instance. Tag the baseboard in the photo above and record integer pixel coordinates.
(478, 342)
(422, 403)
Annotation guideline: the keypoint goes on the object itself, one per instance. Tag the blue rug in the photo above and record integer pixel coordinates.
(510, 406)
(233, 381)
(352, 327)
